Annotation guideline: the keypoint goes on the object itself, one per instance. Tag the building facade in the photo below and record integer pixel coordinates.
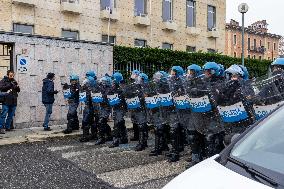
(259, 43)
(170, 24)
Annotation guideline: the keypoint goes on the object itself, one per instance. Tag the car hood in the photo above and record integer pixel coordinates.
(209, 174)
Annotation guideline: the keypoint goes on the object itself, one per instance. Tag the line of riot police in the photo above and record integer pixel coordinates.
(206, 107)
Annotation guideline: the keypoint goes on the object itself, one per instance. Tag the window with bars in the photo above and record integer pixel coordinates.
(167, 46)
(112, 39)
(140, 43)
(190, 49)
(167, 14)
(23, 28)
(190, 13)
(235, 39)
(68, 34)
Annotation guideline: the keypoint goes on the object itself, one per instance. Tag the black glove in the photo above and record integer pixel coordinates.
(55, 92)
(65, 86)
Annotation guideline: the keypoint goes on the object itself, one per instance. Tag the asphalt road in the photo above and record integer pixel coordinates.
(66, 163)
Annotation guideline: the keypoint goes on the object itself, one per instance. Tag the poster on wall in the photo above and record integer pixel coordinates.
(22, 64)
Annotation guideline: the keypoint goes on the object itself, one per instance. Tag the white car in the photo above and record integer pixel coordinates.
(255, 160)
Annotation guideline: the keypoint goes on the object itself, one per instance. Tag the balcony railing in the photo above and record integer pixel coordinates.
(25, 2)
(71, 6)
(260, 50)
(213, 33)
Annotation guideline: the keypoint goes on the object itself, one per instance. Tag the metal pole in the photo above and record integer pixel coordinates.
(243, 39)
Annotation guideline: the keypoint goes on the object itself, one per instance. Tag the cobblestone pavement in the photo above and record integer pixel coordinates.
(66, 163)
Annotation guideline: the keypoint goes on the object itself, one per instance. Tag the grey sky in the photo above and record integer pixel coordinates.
(271, 10)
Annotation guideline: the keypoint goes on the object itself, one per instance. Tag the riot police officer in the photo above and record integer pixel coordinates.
(73, 103)
(104, 132)
(176, 87)
(117, 103)
(88, 113)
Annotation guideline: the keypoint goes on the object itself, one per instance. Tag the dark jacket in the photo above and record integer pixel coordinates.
(48, 91)
(6, 85)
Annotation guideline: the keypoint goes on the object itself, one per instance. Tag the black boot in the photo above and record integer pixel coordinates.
(94, 132)
(68, 130)
(115, 143)
(164, 139)
(157, 149)
(123, 133)
(135, 132)
(76, 124)
(174, 153)
(86, 135)
(101, 132)
(108, 132)
(182, 139)
(142, 143)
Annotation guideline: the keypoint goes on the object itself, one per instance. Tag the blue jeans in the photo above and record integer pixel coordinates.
(10, 110)
(48, 113)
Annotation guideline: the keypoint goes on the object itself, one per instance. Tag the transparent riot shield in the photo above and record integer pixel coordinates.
(132, 93)
(164, 94)
(232, 101)
(97, 96)
(151, 96)
(268, 95)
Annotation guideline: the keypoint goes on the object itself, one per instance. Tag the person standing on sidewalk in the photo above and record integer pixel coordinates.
(48, 99)
(10, 85)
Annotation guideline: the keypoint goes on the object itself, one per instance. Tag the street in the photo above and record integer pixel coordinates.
(66, 163)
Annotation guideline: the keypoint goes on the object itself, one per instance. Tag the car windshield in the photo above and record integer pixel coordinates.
(264, 145)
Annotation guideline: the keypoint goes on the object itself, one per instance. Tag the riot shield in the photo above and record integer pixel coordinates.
(97, 96)
(268, 95)
(232, 101)
(132, 93)
(114, 96)
(151, 96)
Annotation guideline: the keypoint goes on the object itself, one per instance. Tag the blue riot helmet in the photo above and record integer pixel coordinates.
(74, 77)
(222, 70)
(158, 76)
(246, 73)
(106, 81)
(234, 70)
(178, 71)
(143, 78)
(195, 68)
(89, 81)
(91, 74)
(278, 62)
(117, 77)
(135, 74)
(212, 68)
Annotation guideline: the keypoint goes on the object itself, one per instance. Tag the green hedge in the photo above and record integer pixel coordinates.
(169, 58)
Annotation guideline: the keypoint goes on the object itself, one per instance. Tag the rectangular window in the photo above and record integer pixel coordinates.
(68, 34)
(235, 39)
(140, 8)
(140, 43)
(253, 56)
(167, 10)
(23, 28)
(108, 4)
(260, 43)
(274, 46)
(268, 58)
(190, 13)
(211, 17)
(235, 54)
(248, 56)
(259, 57)
(268, 45)
(167, 46)
(211, 51)
(254, 44)
(248, 43)
(190, 49)
(112, 39)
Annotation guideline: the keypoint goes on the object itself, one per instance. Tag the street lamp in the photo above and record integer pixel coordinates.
(243, 8)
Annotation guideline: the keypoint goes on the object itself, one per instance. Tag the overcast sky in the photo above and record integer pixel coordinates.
(271, 10)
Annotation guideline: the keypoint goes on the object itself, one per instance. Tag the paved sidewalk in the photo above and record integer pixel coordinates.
(38, 134)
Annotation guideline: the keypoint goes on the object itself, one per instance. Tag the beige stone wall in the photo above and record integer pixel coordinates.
(125, 30)
(48, 20)
(269, 54)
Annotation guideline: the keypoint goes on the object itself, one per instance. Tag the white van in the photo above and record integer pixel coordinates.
(255, 160)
